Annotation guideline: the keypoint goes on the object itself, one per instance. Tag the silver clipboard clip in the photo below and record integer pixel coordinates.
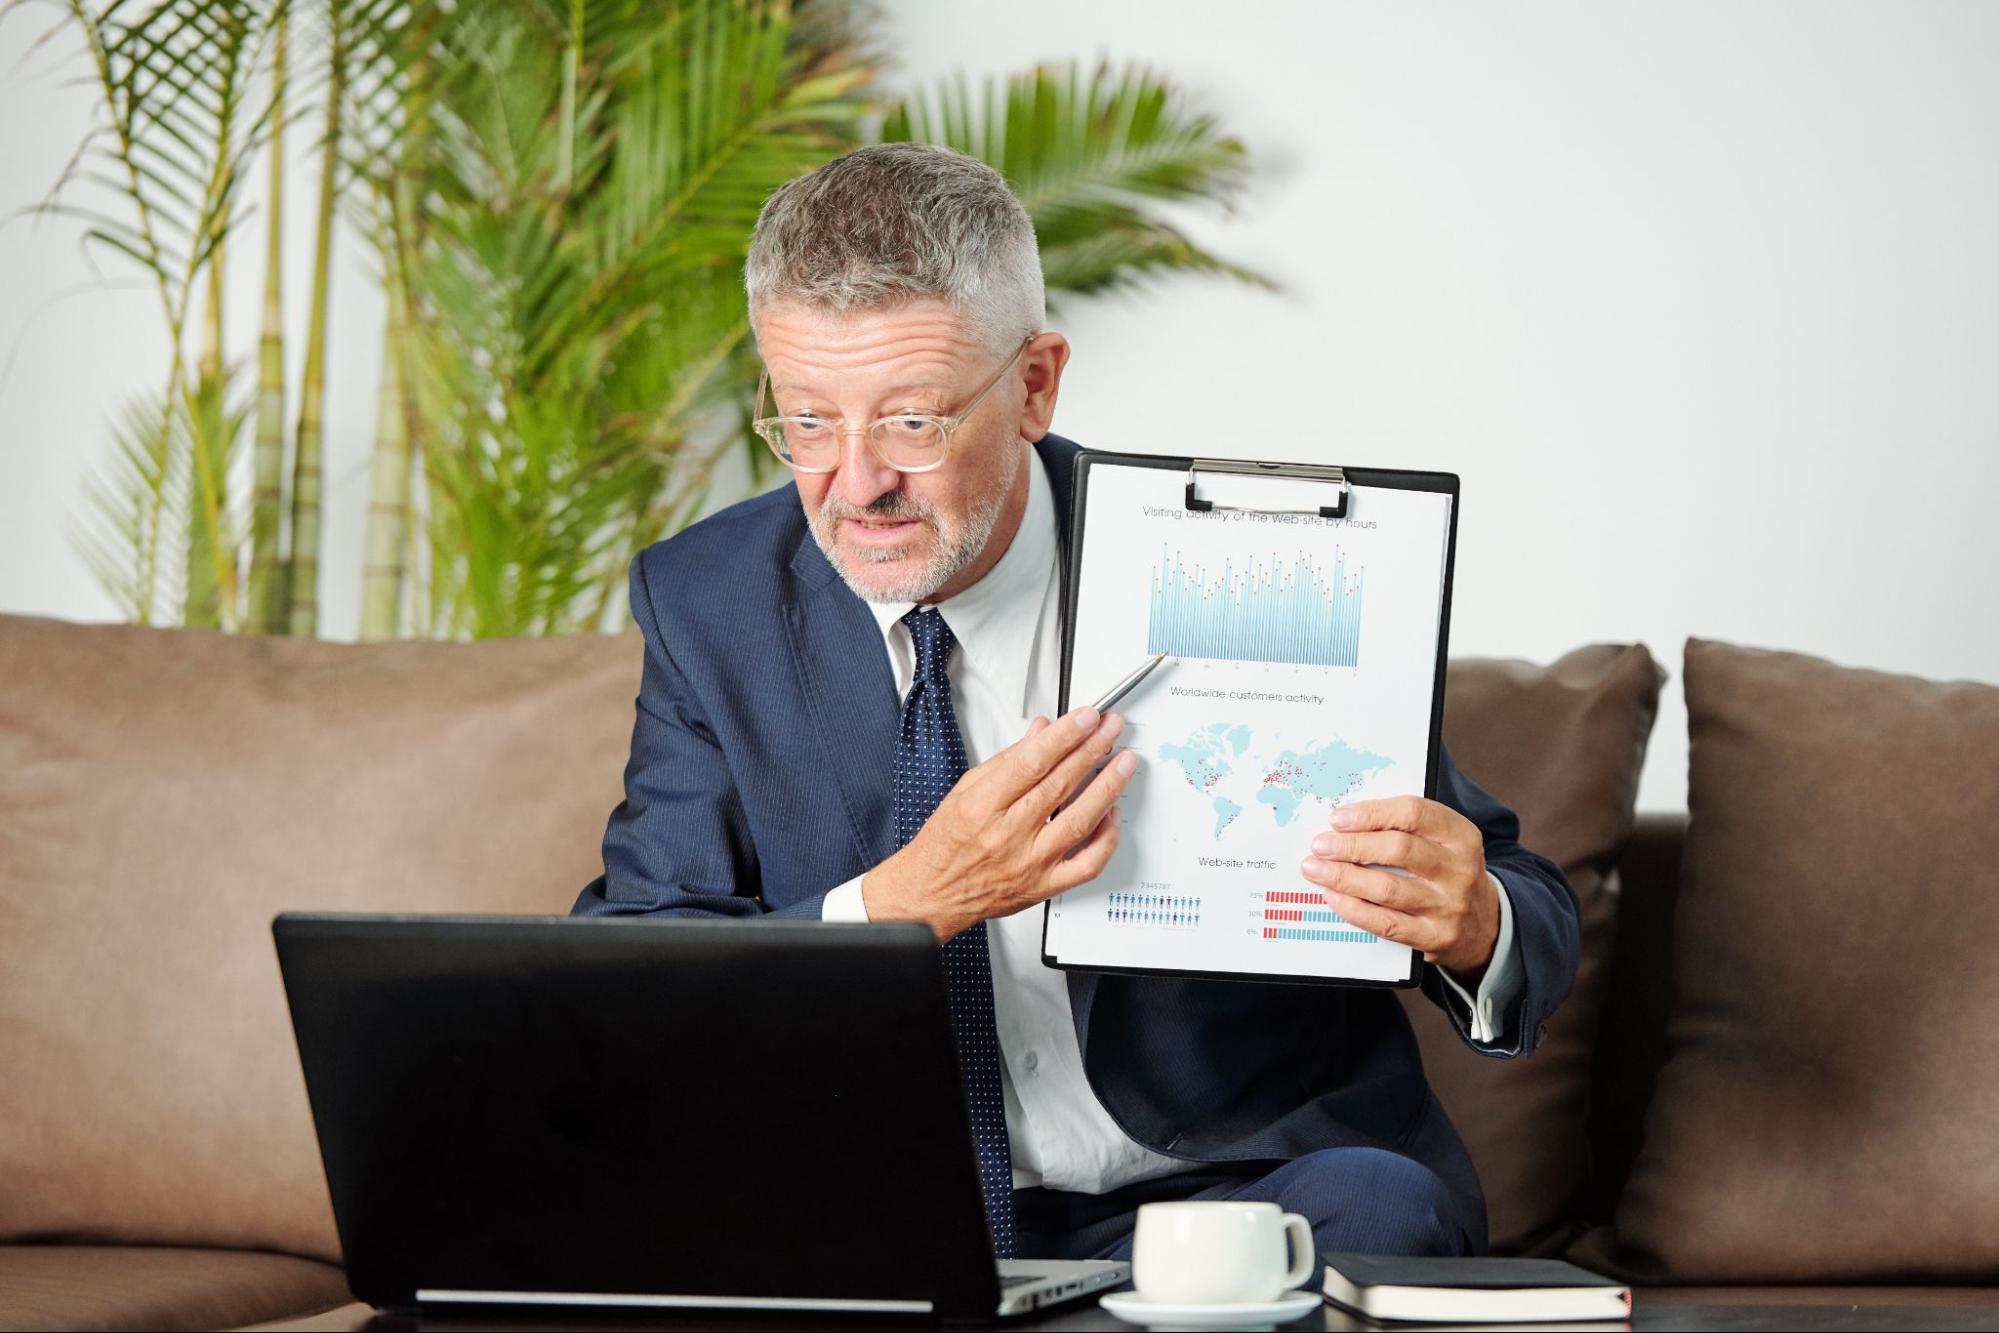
(1292, 471)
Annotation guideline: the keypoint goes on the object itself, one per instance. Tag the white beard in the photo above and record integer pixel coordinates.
(958, 545)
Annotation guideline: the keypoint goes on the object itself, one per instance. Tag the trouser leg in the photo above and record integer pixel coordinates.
(1359, 1200)
(1363, 1201)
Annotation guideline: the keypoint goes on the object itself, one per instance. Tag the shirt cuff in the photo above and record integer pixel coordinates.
(1497, 990)
(846, 904)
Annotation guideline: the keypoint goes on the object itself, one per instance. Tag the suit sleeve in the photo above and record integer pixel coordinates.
(1547, 929)
(678, 844)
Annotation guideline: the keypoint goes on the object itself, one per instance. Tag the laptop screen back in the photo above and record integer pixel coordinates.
(642, 1107)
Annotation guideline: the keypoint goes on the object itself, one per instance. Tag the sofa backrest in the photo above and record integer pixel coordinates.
(163, 793)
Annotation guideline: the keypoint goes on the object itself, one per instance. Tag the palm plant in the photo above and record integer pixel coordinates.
(535, 512)
(574, 295)
(559, 194)
(1088, 152)
(175, 78)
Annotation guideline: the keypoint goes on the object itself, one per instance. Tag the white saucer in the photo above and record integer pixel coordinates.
(1133, 1308)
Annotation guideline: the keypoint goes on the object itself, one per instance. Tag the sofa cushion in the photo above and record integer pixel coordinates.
(164, 794)
(1563, 745)
(1827, 1109)
(162, 1287)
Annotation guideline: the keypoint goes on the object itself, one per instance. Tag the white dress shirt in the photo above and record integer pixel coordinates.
(1005, 672)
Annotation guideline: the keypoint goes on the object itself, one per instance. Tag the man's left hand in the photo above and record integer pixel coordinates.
(1442, 905)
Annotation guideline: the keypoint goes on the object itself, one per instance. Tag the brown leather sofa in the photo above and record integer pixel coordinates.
(163, 793)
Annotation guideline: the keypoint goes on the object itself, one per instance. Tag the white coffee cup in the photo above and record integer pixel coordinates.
(1219, 1252)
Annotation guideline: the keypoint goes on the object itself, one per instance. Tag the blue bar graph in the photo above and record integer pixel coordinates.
(1335, 929)
(1320, 936)
(1262, 612)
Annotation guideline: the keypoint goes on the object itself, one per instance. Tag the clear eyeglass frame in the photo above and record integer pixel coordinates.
(926, 431)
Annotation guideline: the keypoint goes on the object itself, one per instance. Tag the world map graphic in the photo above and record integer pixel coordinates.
(1224, 763)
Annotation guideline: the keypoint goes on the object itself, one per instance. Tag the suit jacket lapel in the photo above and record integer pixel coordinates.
(844, 675)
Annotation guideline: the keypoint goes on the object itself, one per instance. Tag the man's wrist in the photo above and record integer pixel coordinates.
(884, 897)
(1470, 973)
(875, 895)
(1468, 977)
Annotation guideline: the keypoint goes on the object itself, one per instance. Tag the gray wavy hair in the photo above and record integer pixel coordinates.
(901, 222)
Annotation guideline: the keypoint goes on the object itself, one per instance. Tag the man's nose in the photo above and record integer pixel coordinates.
(864, 478)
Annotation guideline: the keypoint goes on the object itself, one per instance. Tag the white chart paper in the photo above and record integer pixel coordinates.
(1301, 676)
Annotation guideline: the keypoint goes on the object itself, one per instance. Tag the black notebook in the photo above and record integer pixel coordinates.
(1484, 1291)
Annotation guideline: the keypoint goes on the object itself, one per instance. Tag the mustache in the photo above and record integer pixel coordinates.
(895, 505)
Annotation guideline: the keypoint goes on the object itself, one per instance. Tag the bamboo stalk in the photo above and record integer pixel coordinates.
(303, 616)
(201, 606)
(210, 600)
(267, 591)
(572, 60)
(388, 491)
(409, 169)
(211, 590)
(421, 616)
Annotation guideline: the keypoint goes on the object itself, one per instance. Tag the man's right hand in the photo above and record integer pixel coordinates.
(990, 848)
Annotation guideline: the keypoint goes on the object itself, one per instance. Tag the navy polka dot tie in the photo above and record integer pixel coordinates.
(929, 759)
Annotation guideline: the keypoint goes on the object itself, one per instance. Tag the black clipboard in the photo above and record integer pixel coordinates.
(1340, 482)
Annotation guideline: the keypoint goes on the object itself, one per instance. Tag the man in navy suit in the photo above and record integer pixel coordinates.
(844, 715)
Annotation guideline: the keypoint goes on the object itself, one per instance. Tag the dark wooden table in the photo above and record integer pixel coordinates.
(1733, 1309)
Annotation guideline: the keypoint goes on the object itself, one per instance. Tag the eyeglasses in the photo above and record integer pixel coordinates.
(907, 441)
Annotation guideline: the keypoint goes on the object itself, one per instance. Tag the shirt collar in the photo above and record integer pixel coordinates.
(995, 621)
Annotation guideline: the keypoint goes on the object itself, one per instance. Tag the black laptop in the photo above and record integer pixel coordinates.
(530, 1111)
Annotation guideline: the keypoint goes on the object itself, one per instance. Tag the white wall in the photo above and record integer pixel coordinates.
(1701, 299)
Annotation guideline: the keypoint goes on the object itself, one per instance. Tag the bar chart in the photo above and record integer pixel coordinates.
(1258, 610)
(1293, 915)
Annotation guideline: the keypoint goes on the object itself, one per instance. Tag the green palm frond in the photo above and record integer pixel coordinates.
(176, 78)
(593, 172)
(157, 182)
(1092, 156)
(119, 533)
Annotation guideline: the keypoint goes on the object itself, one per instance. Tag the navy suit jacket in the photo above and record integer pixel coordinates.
(760, 778)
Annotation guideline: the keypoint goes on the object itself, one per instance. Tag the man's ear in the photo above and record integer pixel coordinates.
(1041, 365)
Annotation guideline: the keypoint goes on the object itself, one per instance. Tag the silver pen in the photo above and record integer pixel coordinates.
(1129, 683)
